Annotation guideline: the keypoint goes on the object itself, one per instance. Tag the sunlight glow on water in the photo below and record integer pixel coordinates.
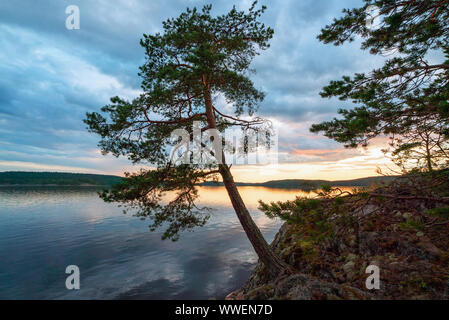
(42, 230)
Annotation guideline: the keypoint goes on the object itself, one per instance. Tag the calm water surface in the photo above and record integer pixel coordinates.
(43, 230)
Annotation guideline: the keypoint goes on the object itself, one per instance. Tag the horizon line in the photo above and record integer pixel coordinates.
(113, 175)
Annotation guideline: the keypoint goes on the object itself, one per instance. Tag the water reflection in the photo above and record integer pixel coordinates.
(42, 230)
(217, 196)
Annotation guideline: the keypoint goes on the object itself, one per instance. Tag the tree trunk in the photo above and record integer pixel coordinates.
(426, 137)
(428, 157)
(273, 264)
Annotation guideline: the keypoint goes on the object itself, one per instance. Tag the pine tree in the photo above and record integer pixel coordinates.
(196, 58)
(413, 83)
(423, 148)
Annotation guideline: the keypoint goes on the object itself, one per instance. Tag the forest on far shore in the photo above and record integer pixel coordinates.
(78, 179)
(56, 178)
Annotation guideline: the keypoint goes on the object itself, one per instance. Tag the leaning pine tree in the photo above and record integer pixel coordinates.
(197, 58)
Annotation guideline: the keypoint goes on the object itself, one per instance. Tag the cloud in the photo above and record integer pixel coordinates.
(52, 76)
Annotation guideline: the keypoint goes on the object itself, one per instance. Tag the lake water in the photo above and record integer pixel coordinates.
(44, 229)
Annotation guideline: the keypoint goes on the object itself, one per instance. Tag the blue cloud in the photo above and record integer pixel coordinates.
(51, 76)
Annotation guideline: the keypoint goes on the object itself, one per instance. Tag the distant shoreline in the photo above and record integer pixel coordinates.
(305, 184)
(199, 185)
(56, 179)
(65, 179)
(53, 185)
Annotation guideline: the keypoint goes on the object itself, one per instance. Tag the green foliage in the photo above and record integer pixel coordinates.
(144, 193)
(326, 188)
(411, 224)
(312, 216)
(423, 148)
(408, 88)
(442, 212)
(56, 178)
(196, 58)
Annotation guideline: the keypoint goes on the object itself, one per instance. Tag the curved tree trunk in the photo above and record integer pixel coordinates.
(273, 264)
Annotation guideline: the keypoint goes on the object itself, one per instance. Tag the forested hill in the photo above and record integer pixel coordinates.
(56, 178)
(78, 179)
(311, 184)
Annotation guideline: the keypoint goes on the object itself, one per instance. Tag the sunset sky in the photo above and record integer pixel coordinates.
(52, 76)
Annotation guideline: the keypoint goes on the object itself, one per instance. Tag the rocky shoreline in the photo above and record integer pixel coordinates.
(412, 260)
